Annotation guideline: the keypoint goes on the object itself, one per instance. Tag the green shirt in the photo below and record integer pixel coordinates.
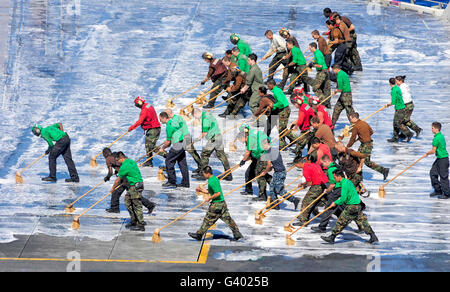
(254, 142)
(178, 121)
(130, 170)
(332, 167)
(244, 48)
(439, 143)
(214, 187)
(280, 98)
(319, 59)
(242, 63)
(255, 78)
(210, 125)
(174, 132)
(297, 56)
(397, 98)
(343, 82)
(349, 195)
(52, 133)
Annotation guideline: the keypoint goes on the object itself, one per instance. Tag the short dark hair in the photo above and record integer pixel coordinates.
(235, 49)
(119, 155)
(272, 82)
(354, 115)
(228, 52)
(290, 41)
(315, 120)
(268, 31)
(437, 125)
(315, 140)
(207, 169)
(164, 115)
(226, 59)
(253, 57)
(392, 81)
(106, 152)
(336, 66)
(314, 45)
(311, 158)
(315, 32)
(401, 78)
(338, 172)
(325, 157)
(263, 89)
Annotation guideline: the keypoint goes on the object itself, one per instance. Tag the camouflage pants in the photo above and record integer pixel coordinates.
(343, 102)
(133, 202)
(357, 179)
(217, 82)
(216, 211)
(276, 59)
(283, 121)
(299, 69)
(311, 195)
(277, 185)
(151, 137)
(215, 144)
(366, 148)
(256, 167)
(408, 112)
(321, 86)
(350, 213)
(399, 123)
(189, 146)
(302, 142)
(354, 54)
(236, 103)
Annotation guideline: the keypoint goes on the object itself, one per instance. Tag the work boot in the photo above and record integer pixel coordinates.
(198, 176)
(373, 238)
(229, 178)
(246, 194)
(49, 178)
(298, 223)
(151, 208)
(73, 179)
(443, 197)
(409, 136)
(183, 186)
(113, 210)
(393, 139)
(137, 227)
(434, 194)
(130, 224)
(208, 106)
(236, 237)
(318, 229)
(329, 239)
(385, 173)
(260, 198)
(195, 235)
(169, 185)
(418, 132)
(296, 202)
(224, 114)
(197, 171)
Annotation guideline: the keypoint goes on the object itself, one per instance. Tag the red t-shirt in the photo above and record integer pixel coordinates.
(305, 113)
(314, 174)
(324, 117)
(323, 150)
(147, 118)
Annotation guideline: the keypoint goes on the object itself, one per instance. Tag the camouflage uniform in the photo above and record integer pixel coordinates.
(236, 103)
(350, 213)
(321, 85)
(302, 79)
(301, 143)
(216, 211)
(344, 102)
(215, 144)
(357, 179)
(283, 121)
(189, 146)
(409, 108)
(354, 54)
(366, 148)
(256, 167)
(400, 123)
(133, 202)
(311, 195)
(151, 137)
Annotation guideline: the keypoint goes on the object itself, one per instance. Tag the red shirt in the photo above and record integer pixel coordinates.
(324, 117)
(322, 151)
(147, 119)
(314, 174)
(305, 113)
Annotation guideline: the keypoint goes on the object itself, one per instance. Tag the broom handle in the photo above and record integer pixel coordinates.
(217, 95)
(299, 75)
(29, 165)
(281, 68)
(284, 198)
(329, 207)
(96, 186)
(225, 174)
(85, 211)
(301, 212)
(294, 180)
(299, 137)
(181, 216)
(186, 91)
(223, 102)
(380, 109)
(121, 136)
(278, 62)
(244, 122)
(404, 170)
(202, 94)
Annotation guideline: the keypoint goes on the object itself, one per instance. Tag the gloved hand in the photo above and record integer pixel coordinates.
(48, 151)
(203, 82)
(310, 65)
(106, 178)
(242, 163)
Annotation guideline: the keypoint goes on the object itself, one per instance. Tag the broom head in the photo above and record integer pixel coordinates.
(76, 222)
(161, 176)
(346, 131)
(170, 104)
(19, 178)
(93, 162)
(289, 240)
(288, 227)
(232, 147)
(69, 209)
(156, 238)
(381, 192)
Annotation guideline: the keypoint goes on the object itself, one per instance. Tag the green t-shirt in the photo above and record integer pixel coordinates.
(297, 56)
(214, 187)
(280, 98)
(210, 125)
(254, 143)
(343, 82)
(319, 59)
(439, 143)
(130, 170)
(52, 133)
(242, 63)
(244, 48)
(397, 98)
(349, 195)
(332, 167)
(174, 132)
